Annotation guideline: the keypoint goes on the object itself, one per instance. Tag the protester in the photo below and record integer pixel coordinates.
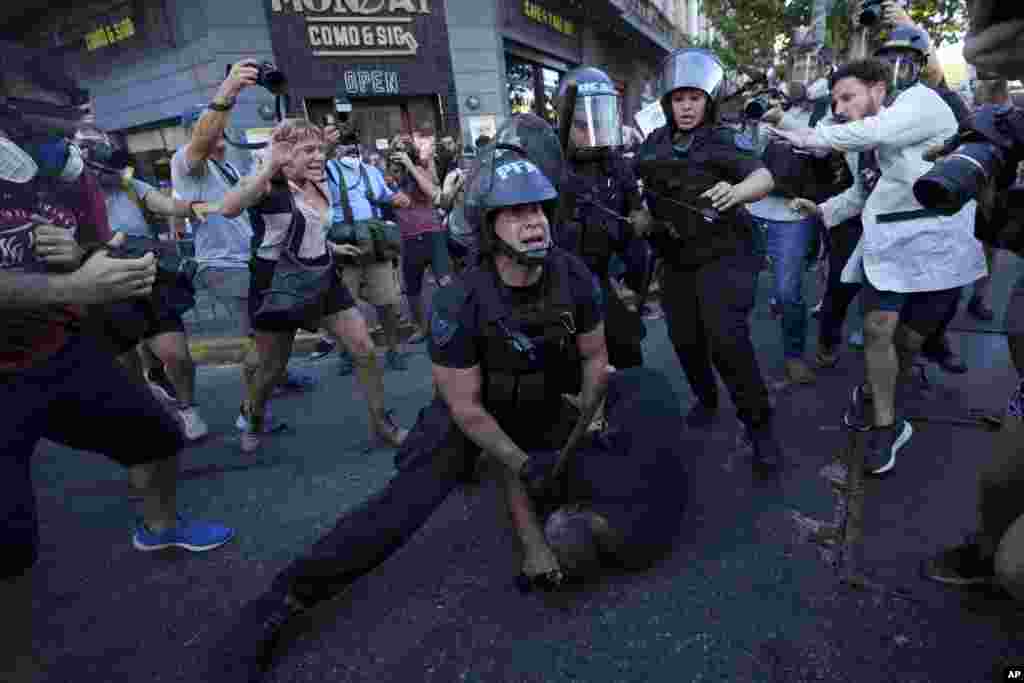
(424, 241)
(289, 197)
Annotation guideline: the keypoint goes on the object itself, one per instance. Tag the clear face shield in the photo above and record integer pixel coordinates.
(597, 122)
(906, 68)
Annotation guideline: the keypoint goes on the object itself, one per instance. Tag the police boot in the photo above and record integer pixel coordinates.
(244, 651)
(381, 422)
(767, 453)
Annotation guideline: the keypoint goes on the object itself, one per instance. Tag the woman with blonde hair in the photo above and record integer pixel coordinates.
(288, 193)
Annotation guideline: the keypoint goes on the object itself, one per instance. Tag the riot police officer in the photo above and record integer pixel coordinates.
(697, 182)
(507, 339)
(601, 193)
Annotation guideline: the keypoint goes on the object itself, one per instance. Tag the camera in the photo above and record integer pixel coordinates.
(870, 13)
(765, 101)
(983, 155)
(269, 77)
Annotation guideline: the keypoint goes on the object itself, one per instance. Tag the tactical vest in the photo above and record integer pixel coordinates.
(600, 234)
(529, 354)
(699, 242)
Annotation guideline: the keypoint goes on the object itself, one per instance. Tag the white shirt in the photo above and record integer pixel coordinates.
(919, 255)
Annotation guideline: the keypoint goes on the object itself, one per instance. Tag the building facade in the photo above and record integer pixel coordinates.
(455, 66)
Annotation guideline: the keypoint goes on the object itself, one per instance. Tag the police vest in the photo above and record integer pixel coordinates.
(529, 356)
(685, 180)
(600, 234)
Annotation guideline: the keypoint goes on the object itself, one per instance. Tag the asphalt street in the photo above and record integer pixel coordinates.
(740, 599)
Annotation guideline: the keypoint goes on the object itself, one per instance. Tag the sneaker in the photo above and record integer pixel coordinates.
(395, 361)
(194, 426)
(244, 652)
(190, 535)
(798, 372)
(826, 358)
(347, 365)
(296, 381)
(856, 339)
(324, 348)
(858, 415)
(702, 415)
(962, 565)
(160, 384)
(886, 442)
(271, 425)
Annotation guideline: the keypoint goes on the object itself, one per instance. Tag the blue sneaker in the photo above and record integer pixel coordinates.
(190, 535)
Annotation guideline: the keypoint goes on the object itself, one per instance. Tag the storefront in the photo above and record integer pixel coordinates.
(389, 58)
(543, 39)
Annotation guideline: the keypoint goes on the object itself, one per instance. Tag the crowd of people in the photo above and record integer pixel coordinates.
(536, 353)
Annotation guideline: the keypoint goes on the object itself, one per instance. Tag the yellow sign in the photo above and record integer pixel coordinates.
(108, 35)
(537, 13)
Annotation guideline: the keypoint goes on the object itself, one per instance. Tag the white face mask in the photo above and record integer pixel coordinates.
(16, 166)
(351, 162)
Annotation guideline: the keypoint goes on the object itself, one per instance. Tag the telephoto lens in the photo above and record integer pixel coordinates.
(959, 178)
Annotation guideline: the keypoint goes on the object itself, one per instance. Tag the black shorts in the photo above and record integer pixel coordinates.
(337, 298)
(922, 312)
(119, 328)
(63, 399)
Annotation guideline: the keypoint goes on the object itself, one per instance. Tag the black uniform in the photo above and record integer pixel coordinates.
(595, 235)
(710, 274)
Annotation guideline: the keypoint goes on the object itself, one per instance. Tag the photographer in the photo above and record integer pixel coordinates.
(358, 193)
(289, 194)
(992, 553)
(130, 204)
(912, 266)
(200, 172)
(55, 382)
(423, 238)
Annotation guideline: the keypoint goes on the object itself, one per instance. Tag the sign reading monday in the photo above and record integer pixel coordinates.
(358, 28)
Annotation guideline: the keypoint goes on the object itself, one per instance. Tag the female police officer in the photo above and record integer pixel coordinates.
(696, 182)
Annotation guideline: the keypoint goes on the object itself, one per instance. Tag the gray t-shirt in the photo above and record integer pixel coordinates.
(220, 242)
(124, 213)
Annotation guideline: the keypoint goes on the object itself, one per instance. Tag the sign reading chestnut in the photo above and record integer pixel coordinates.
(358, 28)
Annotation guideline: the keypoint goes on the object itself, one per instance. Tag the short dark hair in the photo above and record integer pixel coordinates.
(869, 71)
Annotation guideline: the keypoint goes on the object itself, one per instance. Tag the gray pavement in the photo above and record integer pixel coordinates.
(740, 599)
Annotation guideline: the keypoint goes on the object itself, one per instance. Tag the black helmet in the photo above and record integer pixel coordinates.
(692, 68)
(505, 176)
(906, 48)
(597, 116)
(534, 138)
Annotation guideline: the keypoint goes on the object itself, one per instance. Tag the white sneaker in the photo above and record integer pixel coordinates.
(195, 427)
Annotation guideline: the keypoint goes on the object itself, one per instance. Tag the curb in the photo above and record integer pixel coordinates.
(229, 350)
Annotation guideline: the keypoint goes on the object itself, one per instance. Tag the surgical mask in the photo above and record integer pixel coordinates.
(351, 162)
(56, 158)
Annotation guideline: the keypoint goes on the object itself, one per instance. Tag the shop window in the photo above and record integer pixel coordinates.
(531, 88)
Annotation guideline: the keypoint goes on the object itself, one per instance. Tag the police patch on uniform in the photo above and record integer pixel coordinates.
(441, 330)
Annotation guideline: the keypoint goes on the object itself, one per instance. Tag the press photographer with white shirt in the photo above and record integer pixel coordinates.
(912, 262)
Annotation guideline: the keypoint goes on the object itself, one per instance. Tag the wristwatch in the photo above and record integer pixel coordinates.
(222, 103)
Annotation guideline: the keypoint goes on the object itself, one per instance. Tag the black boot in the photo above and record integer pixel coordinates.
(244, 652)
(767, 453)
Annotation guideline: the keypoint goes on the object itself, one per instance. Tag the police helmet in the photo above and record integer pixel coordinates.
(906, 48)
(505, 176)
(692, 68)
(538, 141)
(597, 117)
